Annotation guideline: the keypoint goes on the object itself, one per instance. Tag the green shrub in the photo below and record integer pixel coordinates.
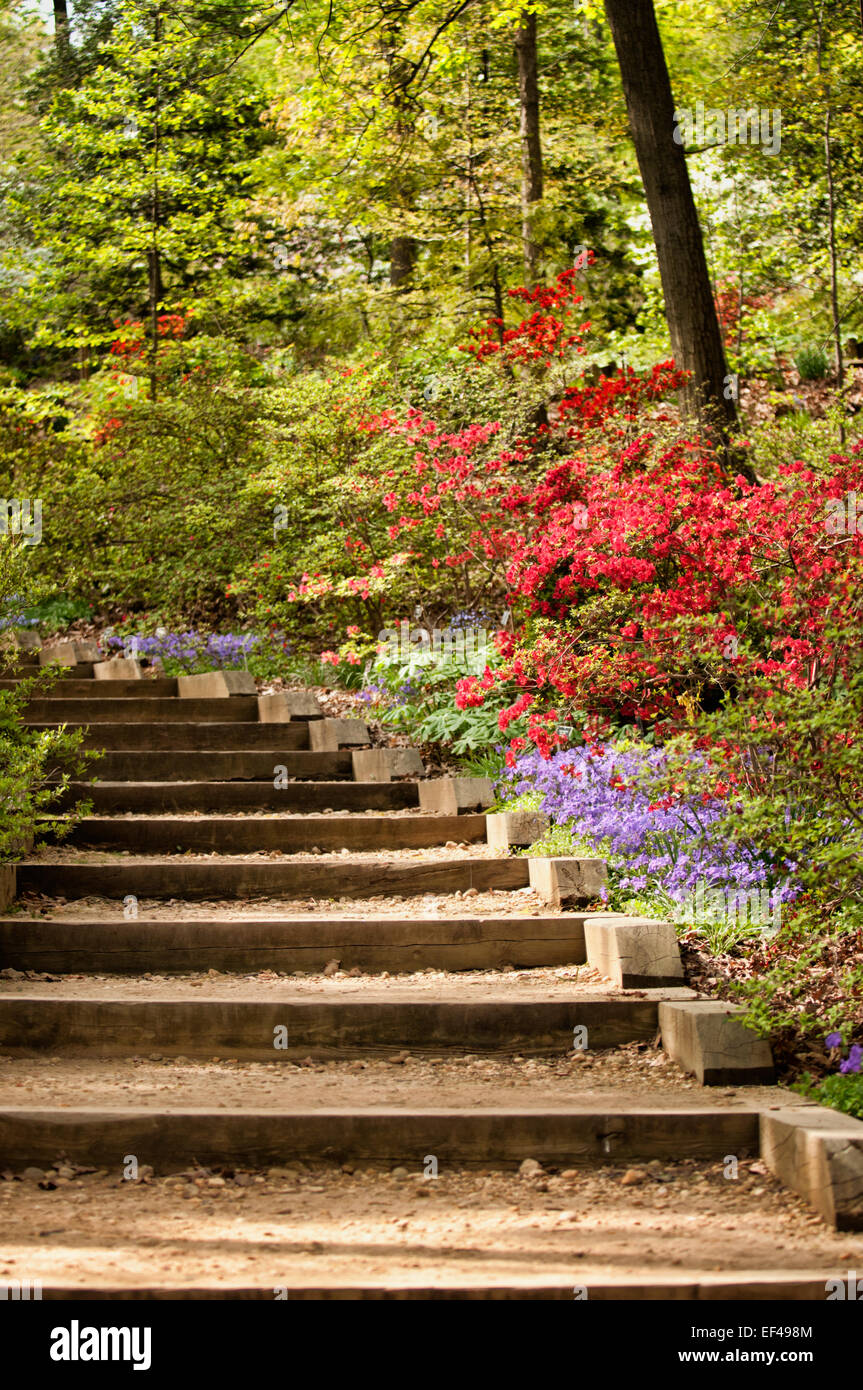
(417, 692)
(812, 363)
(841, 1091)
(35, 766)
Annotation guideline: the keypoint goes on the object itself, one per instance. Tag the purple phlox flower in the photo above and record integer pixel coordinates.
(853, 1061)
(605, 798)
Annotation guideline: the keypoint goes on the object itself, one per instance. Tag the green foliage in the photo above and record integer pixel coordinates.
(808, 981)
(58, 612)
(840, 1092)
(798, 769)
(405, 125)
(148, 515)
(489, 765)
(142, 176)
(559, 842)
(527, 801)
(416, 693)
(812, 363)
(35, 766)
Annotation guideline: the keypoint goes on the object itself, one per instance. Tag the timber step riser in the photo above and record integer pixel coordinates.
(457, 1138)
(247, 1029)
(71, 688)
(291, 836)
(240, 765)
(783, 1288)
(26, 670)
(116, 798)
(63, 710)
(398, 945)
(192, 879)
(190, 737)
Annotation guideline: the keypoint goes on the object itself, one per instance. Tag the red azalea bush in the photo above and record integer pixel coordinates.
(437, 511)
(647, 580)
(670, 585)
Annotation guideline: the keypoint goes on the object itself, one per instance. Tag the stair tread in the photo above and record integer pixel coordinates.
(325, 1233)
(355, 993)
(620, 1081)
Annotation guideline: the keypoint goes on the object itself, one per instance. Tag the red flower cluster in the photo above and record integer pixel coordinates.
(133, 341)
(646, 572)
(541, 338)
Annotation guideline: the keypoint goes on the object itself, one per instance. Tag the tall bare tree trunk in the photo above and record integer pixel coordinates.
(154, 259)
(403, 249)
(468, 245)
(689, 303)
(61, 33)
(531, 145)
(403, 259)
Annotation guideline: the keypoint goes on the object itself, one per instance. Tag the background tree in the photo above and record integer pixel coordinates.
(139, 192)
(689, 300)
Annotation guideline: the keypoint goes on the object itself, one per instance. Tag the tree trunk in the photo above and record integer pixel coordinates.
(831, 208)
(154, 259)
(403, 258)
(61, 32)
(690, 307)
(403, 249)
(531, 146)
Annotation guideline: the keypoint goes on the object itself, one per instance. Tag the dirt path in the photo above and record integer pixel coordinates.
(318, 1228)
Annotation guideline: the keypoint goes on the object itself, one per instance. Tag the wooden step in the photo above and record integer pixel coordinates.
(376, 1134)
(193, 737)
(68, 688)
(109, 798)
(698, 1286)
(254, 764)
(225, 877)
(375, 1026)
(94, 946)
(82, 672)
(59, 709)
(290, 834)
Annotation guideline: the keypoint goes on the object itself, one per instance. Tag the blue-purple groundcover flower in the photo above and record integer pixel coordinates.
(853, 1062)
(13, 614)
(600, 795)
(211, 651)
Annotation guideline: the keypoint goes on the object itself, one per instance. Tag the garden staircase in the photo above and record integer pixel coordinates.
(174, 875)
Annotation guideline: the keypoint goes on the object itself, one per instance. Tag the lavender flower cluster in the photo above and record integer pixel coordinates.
(853, 1062)
(603, 796)
(379, 692)
(13, 614)
(208, 651)
(470, 617)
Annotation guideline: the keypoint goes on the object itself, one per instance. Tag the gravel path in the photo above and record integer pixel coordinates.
(496, 902)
